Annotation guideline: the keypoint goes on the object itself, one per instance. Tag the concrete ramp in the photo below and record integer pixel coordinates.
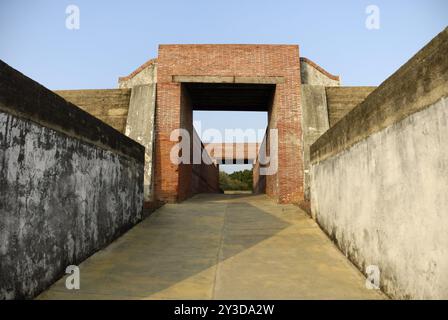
(216, 246)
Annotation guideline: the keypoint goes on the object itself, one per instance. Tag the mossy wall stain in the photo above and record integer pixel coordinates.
(61, 200)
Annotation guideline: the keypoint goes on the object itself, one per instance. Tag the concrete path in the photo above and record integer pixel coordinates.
(220, 247)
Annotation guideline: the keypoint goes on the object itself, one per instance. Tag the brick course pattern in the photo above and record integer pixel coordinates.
(285, 113)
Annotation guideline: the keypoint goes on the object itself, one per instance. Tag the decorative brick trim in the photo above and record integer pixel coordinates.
(319, 68)
(138, 70)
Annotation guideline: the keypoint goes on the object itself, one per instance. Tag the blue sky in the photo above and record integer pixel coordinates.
(115, 37)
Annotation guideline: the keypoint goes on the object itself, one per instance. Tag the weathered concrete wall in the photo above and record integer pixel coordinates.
(145, 74)
(140, 128)
(314, 124)
(109, 105)
(378, 178)
(129, 110)
(341, 100)
(323, 107)
(312, 74)
(141, 116)
(69, 185)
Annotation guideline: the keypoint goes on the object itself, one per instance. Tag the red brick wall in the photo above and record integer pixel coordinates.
(178, 182)
(166, 180)
(185, 170)
(258, 181)
(205, 178)
(231, 60)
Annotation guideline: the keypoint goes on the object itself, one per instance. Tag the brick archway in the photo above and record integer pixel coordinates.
(277, 66)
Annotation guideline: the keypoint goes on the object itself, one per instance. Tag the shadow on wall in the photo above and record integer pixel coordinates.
(197, 240)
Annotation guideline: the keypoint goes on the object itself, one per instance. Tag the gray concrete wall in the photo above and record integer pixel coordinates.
(140, 128)
(312, 74)
(141, 116)
(314, 124)
(109, 105)
(70, 184)
(341, 100)
(145, 74)
(130, 110)
(378, 178)
(323, 107)
(385, 203)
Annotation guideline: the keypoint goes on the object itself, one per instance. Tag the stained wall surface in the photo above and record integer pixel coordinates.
(314, 122)
(314, 75)
(109, 105)
(341, 100)
(378, 178)
(69, 185)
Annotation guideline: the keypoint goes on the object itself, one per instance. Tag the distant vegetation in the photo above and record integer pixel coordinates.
(239, 180)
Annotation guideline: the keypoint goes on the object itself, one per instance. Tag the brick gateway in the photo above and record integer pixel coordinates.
(161, 95)
(182, 72)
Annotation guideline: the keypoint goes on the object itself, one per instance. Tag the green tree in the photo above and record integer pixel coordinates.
(238, 180)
